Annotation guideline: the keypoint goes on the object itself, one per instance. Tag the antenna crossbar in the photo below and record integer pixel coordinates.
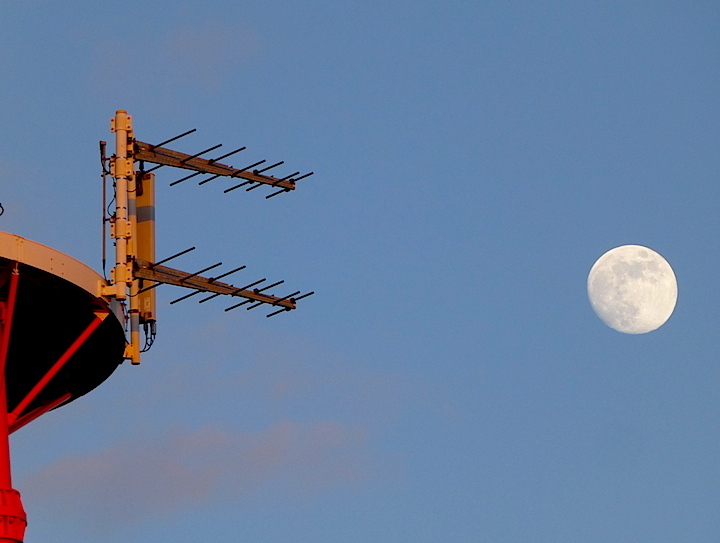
(168, 157)
(171, 276)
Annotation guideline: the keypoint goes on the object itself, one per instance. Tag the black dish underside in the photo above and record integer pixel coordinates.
(50, 313)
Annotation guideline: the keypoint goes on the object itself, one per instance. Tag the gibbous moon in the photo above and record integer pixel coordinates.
(632, 289)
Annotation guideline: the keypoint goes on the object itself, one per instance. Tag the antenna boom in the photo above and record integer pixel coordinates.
(168, 157)
(171, 276)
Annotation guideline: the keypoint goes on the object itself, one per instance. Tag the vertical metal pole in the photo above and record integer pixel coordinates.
(123, 170)
(126, 226)
(5, 478)
(135, 284)
(12, 515)
(103, 162)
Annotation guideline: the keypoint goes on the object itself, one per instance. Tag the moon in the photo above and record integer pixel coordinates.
(632, 289)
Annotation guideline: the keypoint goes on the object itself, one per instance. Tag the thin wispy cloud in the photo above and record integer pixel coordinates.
(286, 372)
(129, 483)
(198, 57)
(349, 412)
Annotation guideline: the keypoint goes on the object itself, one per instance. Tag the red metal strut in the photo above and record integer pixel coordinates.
(13, 520)
(42, 383)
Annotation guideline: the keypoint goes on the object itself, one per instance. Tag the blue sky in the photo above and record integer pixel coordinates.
(449, 380)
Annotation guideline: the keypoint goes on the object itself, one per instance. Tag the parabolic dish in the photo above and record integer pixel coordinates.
(57, 298)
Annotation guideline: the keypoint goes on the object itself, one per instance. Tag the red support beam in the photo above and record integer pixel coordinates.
(35, 413)
(82, 338)
(7, 319)
(12, 515)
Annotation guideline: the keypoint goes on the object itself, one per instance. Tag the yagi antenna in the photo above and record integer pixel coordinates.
(204, 172)
(293, 180)
(285, 308)
(153, 147)
(163, 156)
(136, 274)
(209, 281)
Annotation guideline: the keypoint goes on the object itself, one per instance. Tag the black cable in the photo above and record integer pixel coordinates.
(147, 336)
(2, 209)
(149, 332)
(112, 200)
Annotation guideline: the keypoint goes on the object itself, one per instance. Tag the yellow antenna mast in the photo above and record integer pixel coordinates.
(136, 273)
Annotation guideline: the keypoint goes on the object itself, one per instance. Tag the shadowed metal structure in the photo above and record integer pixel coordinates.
(59, 340)
(64, 328)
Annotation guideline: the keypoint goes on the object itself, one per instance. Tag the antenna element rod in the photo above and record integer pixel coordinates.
(185, 160)
(153, 147)
(199, 272)
(173, 256)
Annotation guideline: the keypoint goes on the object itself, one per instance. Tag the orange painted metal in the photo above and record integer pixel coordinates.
(168, 157)
(171, 276)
